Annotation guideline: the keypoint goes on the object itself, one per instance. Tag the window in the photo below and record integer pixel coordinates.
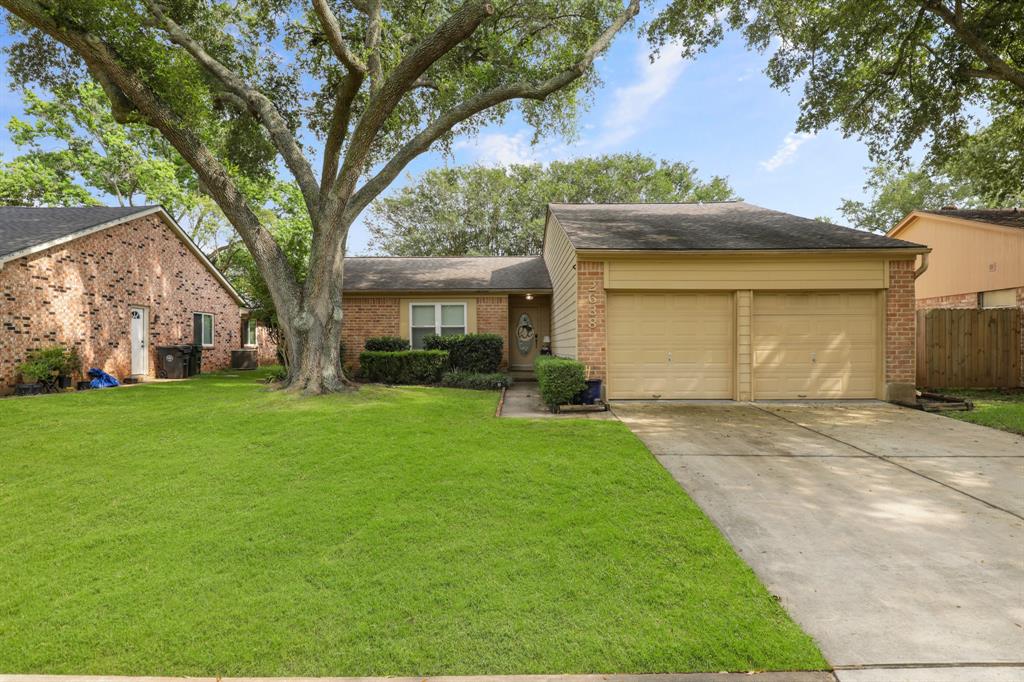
(202, 329)
(445, 319)
(1001, 298)
(249, 332)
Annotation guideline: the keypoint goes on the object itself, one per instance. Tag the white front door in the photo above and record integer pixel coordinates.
(140, 349)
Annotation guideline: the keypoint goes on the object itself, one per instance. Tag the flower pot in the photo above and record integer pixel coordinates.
(28, 389)
(63, 382)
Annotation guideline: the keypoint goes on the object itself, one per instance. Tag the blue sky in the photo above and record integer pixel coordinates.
(717, 112)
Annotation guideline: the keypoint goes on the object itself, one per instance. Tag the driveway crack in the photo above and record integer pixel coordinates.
(890, 461)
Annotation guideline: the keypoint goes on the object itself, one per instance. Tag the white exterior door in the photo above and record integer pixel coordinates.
(139, 340)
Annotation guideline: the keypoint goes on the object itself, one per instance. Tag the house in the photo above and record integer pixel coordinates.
(673, 301)
(977, 259)
(115, 283)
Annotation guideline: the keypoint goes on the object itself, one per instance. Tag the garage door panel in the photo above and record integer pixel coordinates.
(670, 345)
(816, 345)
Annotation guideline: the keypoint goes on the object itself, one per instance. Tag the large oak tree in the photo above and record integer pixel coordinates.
(237, 88)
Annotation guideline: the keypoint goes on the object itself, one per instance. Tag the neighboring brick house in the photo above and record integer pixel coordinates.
(976, 259)
(115, 283)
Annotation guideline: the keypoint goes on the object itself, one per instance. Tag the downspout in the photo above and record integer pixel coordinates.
(924, 266)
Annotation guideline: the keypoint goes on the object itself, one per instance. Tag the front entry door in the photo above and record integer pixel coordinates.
(528, 329)
(139, 336)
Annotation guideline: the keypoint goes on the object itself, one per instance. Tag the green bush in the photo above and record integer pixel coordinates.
(386, 343)
(50, 361)
(475, 380)
(477, 353)
(403, 367)
(559, 379)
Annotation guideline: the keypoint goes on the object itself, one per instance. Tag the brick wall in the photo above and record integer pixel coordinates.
(900, 332)
(1020, 304)
(954, 301)
(79, 294)
(364, 317)
(590, 317)
(492, 318)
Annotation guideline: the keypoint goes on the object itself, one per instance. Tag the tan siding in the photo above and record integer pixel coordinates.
(560, 258)
(967, 257)
(743, 372)
(747, 272)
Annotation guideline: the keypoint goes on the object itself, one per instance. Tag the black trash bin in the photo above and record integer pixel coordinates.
(195, 360)
(244, 358)
(172, 362)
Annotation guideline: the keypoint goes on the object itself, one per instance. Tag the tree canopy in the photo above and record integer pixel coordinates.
(74, 153)
(894, 72)
(243, 91)
(478, 210)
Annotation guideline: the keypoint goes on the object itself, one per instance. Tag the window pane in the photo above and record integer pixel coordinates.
(207, 330)
(453, 316)
(418, 334)
(423, 316)
(250, 336)
(452, 331)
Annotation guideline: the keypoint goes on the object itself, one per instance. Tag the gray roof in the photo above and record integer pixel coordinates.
(506, 273)
(22, 227)
(720, 226)
(1007, 217)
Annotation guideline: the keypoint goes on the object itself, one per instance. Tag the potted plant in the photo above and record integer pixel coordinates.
(71, 366)
(31, 372)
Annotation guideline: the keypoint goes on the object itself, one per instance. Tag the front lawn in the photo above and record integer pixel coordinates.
(213, 527)
(999, 408)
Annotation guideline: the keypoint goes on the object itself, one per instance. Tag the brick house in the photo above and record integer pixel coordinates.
(976, 259)
(115, 283)
(722, 301)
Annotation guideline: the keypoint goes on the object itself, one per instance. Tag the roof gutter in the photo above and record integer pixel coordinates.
(924, 266)
(892, 251)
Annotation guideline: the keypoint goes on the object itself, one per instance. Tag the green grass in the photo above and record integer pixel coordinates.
(999, 408)
(214, 527)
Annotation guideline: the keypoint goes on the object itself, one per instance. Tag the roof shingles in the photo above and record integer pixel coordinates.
(721, 226)
(22, 227)
(1007, 217)
(512, 273)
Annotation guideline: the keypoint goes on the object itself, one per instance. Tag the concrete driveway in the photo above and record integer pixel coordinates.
(894, 537)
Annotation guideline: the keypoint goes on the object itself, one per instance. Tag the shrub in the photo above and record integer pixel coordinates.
(386, 343)
(559, 379)
(475, 380)
(477, 353)
(403, 367)
(50, 361)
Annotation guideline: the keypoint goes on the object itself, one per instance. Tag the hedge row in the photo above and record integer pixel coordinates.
(476, 381)
(386, 343)
(403, 367)
(559, 379)
(479, 353)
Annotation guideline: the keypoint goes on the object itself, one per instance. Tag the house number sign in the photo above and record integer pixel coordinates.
(592, 304)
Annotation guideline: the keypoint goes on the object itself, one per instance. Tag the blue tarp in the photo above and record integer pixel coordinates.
(101, 379)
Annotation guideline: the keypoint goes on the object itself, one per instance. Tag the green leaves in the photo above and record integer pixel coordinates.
(476, 210)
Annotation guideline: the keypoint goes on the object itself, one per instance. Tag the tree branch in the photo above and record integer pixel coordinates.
(996, 64)
(373, 45)
(485, 100)
(452, 31)
(340, 117)
(332, 29)
(258, 103)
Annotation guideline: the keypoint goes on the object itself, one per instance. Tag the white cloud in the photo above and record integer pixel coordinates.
(784, 154)
(632, 104)
(500, 149)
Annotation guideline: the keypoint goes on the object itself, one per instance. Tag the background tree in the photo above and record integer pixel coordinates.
(482, 211)
(74, 151)
(376, 84)
(986, 172)
(891, 71)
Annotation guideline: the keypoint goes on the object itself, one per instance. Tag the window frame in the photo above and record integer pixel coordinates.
(251, 322)
(438, 322)
(202, 329)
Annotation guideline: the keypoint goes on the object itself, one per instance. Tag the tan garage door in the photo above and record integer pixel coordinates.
(816, 345)
(670, 345)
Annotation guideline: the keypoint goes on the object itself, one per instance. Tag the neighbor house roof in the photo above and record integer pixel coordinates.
(500, 273)
(1007, 217)
(719, 226)
(25, 230)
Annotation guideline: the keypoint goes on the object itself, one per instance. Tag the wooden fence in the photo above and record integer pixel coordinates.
(968, 348)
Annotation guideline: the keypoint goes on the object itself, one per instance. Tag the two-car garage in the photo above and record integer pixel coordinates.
(699, 345)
